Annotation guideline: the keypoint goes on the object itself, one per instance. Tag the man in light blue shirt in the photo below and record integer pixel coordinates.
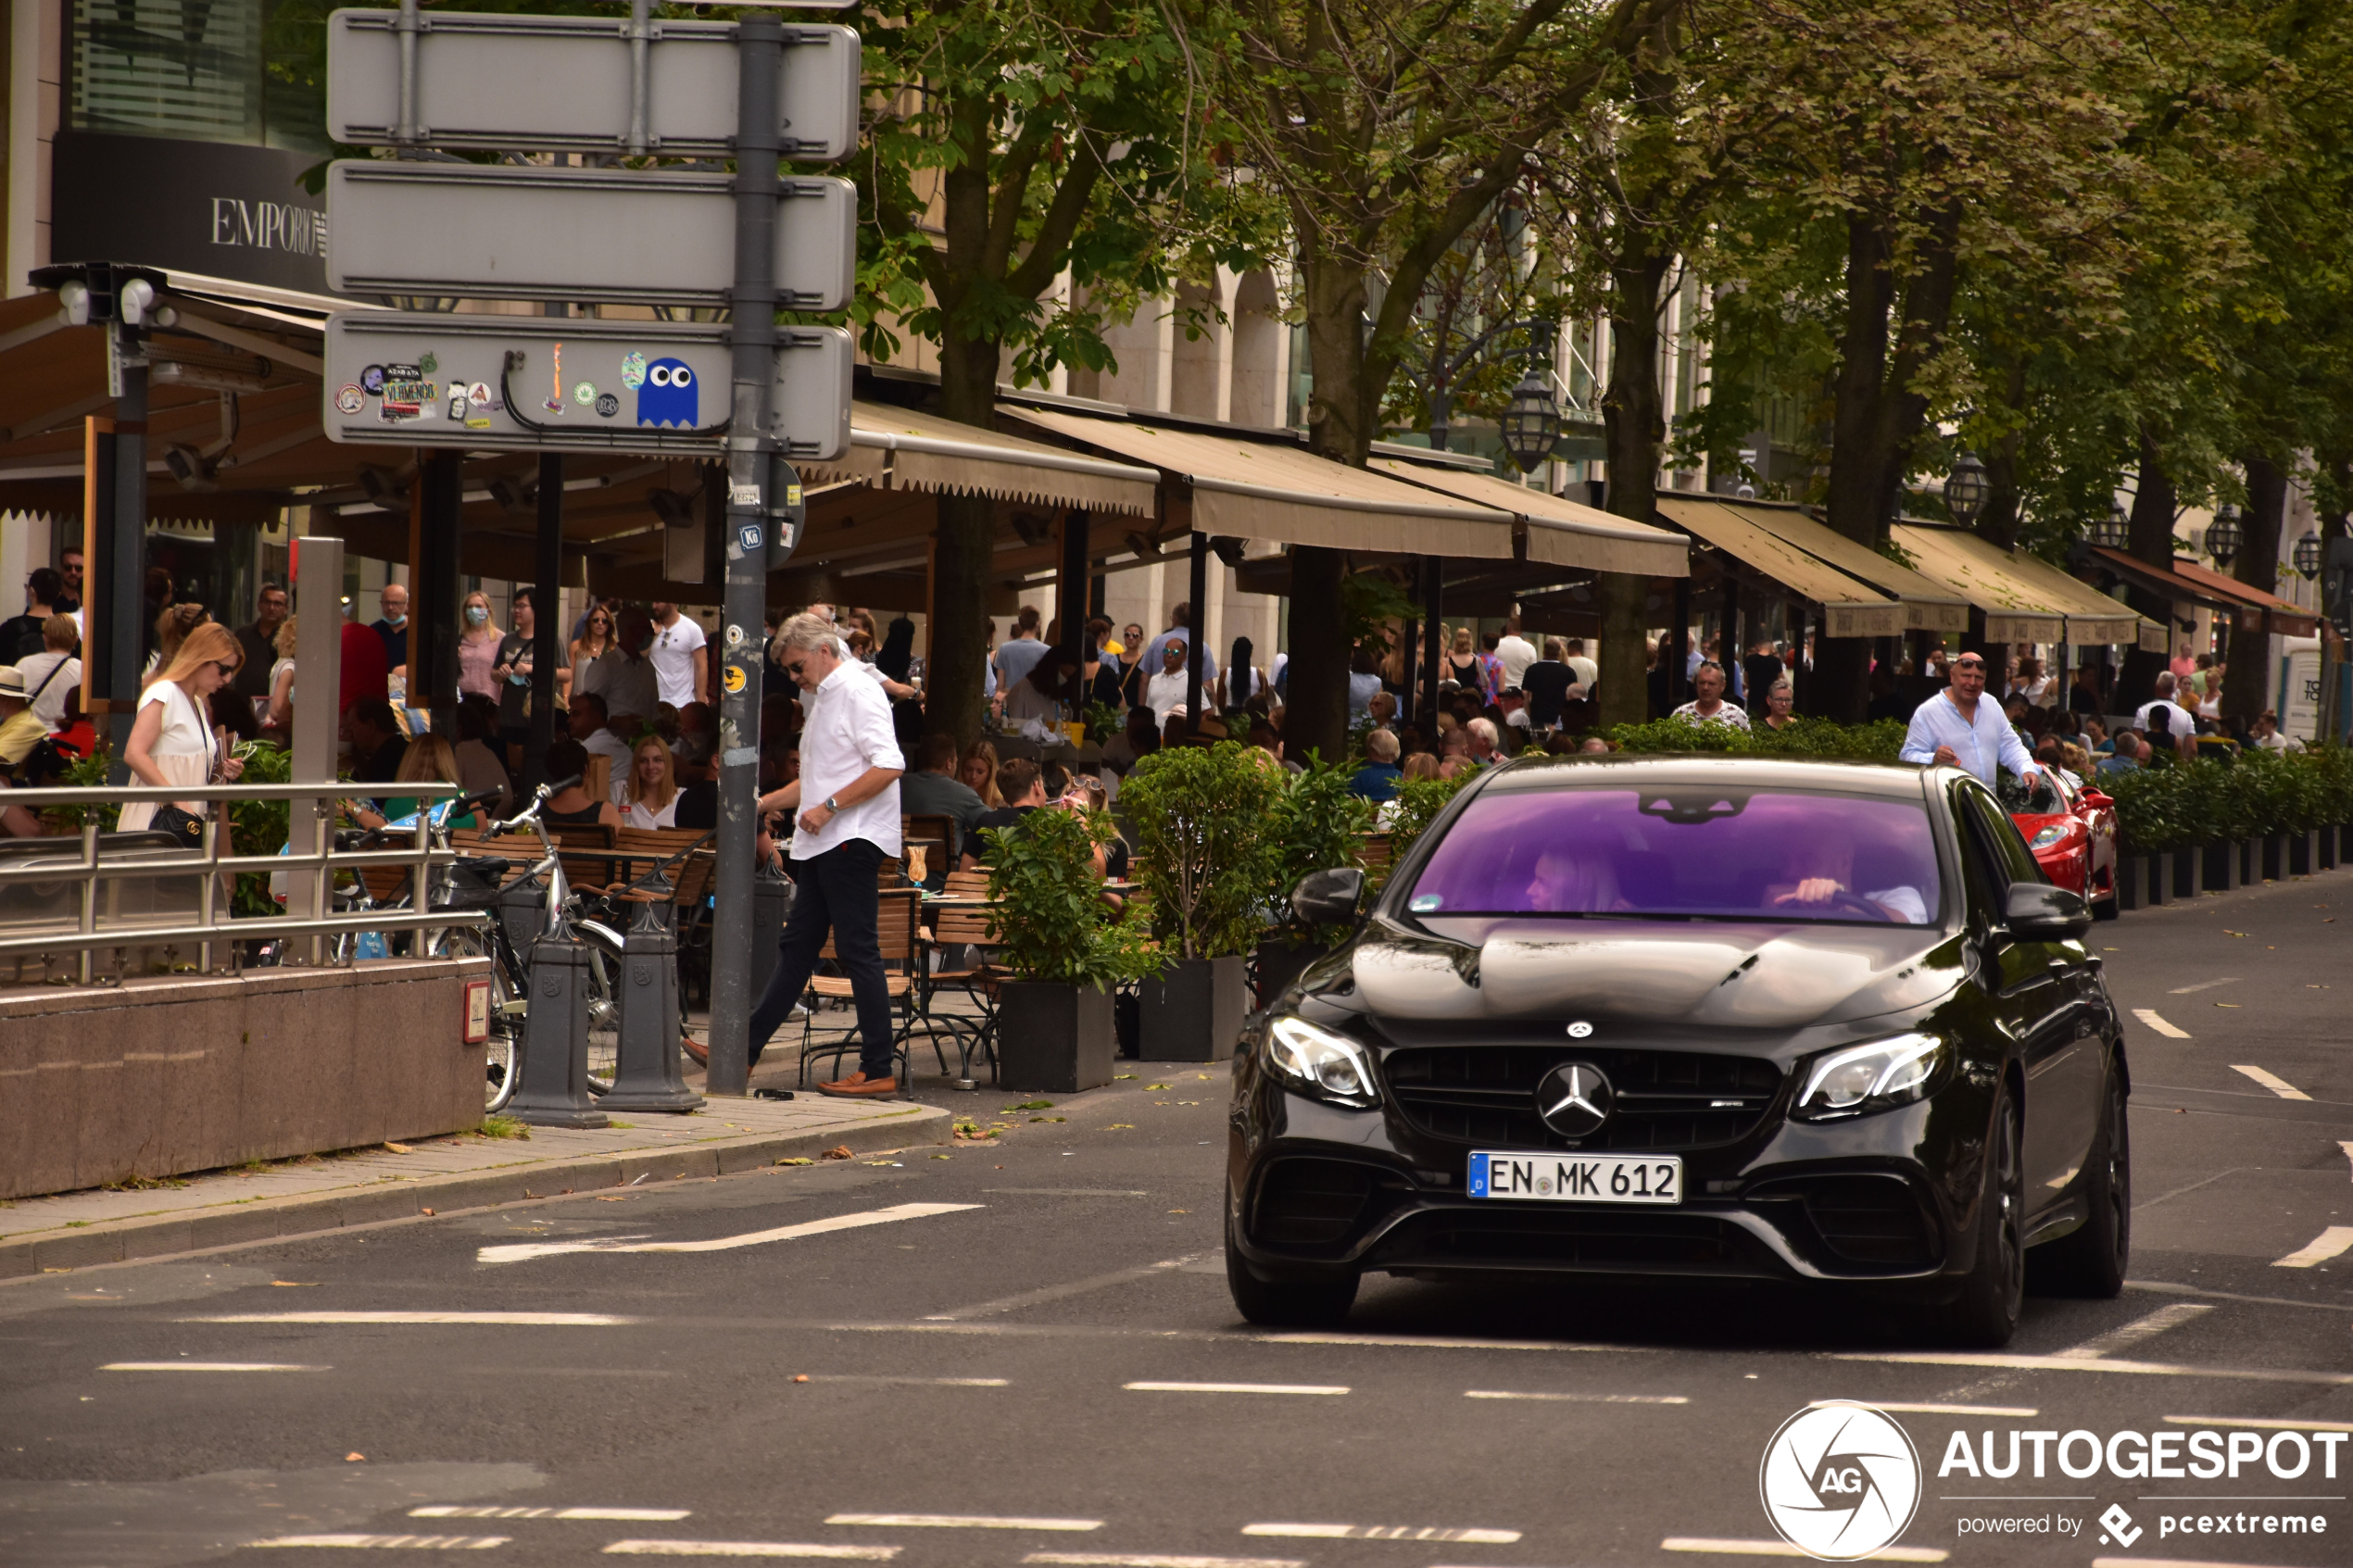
(1959, 728)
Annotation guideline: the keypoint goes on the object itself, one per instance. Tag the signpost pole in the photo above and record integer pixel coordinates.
(759, 47)
(548, 625)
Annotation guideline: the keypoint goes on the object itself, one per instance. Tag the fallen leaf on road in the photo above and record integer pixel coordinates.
(612, 1200)
(296, 1284)
(800, 1377)
(396, 1147)
(943, 1157)
(1115, 1126)
(1031, 1105)
(353, 1459)
(427, 1212)
(1180, 1210)
(1121, 1077)
(797, 1159)
(2226, 1004)
(1148, 1088)
(840, 1151)
(1050, 1119)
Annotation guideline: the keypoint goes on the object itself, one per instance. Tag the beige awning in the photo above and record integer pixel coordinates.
(1850, 608)
(1560, 531)
(900, 449)
(1928, 605)
(1272, 490)
(2025, 599)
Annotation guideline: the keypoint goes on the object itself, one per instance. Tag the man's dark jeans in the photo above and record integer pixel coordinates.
(835, 891)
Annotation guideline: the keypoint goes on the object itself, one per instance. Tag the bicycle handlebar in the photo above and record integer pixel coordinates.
(529, 815)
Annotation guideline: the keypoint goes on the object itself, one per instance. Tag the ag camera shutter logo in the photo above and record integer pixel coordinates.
(1840, 1481)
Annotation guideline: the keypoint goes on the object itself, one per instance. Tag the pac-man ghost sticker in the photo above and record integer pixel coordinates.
(668, 395)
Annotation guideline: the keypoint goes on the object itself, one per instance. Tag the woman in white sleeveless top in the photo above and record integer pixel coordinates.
(172, 742)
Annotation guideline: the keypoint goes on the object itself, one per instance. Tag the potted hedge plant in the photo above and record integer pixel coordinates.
(1065, 949)
(1318, 824)
(1205, 853)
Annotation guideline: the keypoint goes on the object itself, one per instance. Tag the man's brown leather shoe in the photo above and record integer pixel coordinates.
(700, 1053)
(859, 1086)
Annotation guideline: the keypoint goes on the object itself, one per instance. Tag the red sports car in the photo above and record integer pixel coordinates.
(2072, 828)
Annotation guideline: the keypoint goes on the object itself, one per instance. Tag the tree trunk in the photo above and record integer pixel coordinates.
(1997, 525)
(962, 560)
(2248, 680)
(1634, 422)
(1315, 710)
(2151, 542)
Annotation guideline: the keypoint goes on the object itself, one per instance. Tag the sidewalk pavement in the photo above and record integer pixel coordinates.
(439, 1175)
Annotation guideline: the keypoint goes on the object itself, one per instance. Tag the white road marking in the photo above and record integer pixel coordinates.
(750, 1548)
(2272, 1082)
(2168, 1562)
(519, 1320)
(2256, 1422)
(493, 1510)
(1385, 1533)
(1425, 1342)
(2150, 1016)
(1072, 1192)
(2331, 1243)
(2203, 985)
(926, 1382)
(963, 1521)
(209, 1366)
(520, 1251)
(1235, 1387)
(2079, 1363)
(2021, 1412)
(428, 1543)
(2347, 1147)
(1782, 1549)
(1582, 1398)
(1158, 1559)
(1062, 1292)
(2131, 1334)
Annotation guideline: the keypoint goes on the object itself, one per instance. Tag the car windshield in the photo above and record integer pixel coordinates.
(2035, 796)
(1685, 851)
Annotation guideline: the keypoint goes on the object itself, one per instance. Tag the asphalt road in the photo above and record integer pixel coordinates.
(971, 1381)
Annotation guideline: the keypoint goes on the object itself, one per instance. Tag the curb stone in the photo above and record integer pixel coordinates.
(308, 1214)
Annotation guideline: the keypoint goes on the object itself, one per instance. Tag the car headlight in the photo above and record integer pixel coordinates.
(2049, 836)
(1327, 1065)
(1871, 1077)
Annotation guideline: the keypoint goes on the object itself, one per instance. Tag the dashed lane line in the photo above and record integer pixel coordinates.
(2347, 1147)
(1782, 1549)
(2170, 1562)
(2017, 1413)
(1432, 1342)
(2139, 1329)
(963, 1521)
(493, 1510)
(751, 1548)
(1386, 1533)
(2272, 1082)
(520, 1251)
(1581, 1399)
(1158, 1560)
(2331, 1243)
(516, 1320)
(419, 1543)
(210, 1366)
(2081, 1363)
(1061, 1292)
(1235, 1387)
(2155, 1021)
(2260, 1422)
(2203, 985)
(897, 1377)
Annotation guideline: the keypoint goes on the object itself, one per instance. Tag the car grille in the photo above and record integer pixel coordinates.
(1312, 1204)
(1486, 1096)
(1654, 1241)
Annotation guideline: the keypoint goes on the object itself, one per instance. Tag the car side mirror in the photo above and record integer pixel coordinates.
(2097, 799)
(1327, 897)
(2038, 912)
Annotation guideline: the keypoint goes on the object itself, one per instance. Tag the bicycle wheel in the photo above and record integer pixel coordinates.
(502, 1057)
(604, 1004)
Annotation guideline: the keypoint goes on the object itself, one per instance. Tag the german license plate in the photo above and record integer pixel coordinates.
(1571, 1178)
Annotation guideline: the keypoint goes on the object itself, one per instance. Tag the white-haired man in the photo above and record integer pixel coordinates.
(850, 769)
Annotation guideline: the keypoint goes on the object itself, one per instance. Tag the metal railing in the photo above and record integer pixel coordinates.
(207, 862)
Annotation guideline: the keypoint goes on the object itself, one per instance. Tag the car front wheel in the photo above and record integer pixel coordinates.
(1322, 1303)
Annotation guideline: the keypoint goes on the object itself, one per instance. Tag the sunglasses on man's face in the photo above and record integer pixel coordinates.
(793, 670)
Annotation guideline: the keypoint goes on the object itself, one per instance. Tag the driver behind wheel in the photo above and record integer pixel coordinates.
(1822, 875)
(1573, 879)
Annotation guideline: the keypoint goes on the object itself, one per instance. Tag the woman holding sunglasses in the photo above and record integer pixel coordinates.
(172, 740)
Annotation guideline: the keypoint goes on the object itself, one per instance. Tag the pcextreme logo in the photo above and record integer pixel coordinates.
(1840, 1481)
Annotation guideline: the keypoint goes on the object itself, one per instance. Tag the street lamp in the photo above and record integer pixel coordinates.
(2113, 532)
(1532, 423)
(1965, 490)
(2224, 535)
(2308, 555)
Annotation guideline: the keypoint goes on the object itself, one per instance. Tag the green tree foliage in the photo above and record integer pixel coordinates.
(1051, 920)
(1202, 817)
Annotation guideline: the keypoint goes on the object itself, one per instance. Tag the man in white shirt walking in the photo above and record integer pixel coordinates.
(1516, 652)
(681, 674)
(1958, 728)
(850, 767)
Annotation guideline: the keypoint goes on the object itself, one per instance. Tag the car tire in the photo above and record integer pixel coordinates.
(1285, 1303)
(2109, 907)
(1985, 1313)
(2089, 1261)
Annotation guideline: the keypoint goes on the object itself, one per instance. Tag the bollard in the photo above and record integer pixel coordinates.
(648, 1077)
(772, 896)
(555, 1041)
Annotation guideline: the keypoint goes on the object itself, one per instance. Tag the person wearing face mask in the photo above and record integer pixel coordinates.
(478, 648)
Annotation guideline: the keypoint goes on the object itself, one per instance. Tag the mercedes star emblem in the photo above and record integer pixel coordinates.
(1573, 1098)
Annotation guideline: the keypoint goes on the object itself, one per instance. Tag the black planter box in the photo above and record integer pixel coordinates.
(2160, 872)
(2303, 852)
(1280, 963)
(2131, 882)
(2329, 857)
(1193, 1011)
(2250, 861)
(1054, 1039)
(2275, 858)
(2221, 869)
(2189, 872)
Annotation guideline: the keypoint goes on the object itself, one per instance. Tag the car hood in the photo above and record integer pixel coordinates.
(1723, 974)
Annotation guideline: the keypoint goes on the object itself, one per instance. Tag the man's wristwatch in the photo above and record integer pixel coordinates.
(833, 807)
